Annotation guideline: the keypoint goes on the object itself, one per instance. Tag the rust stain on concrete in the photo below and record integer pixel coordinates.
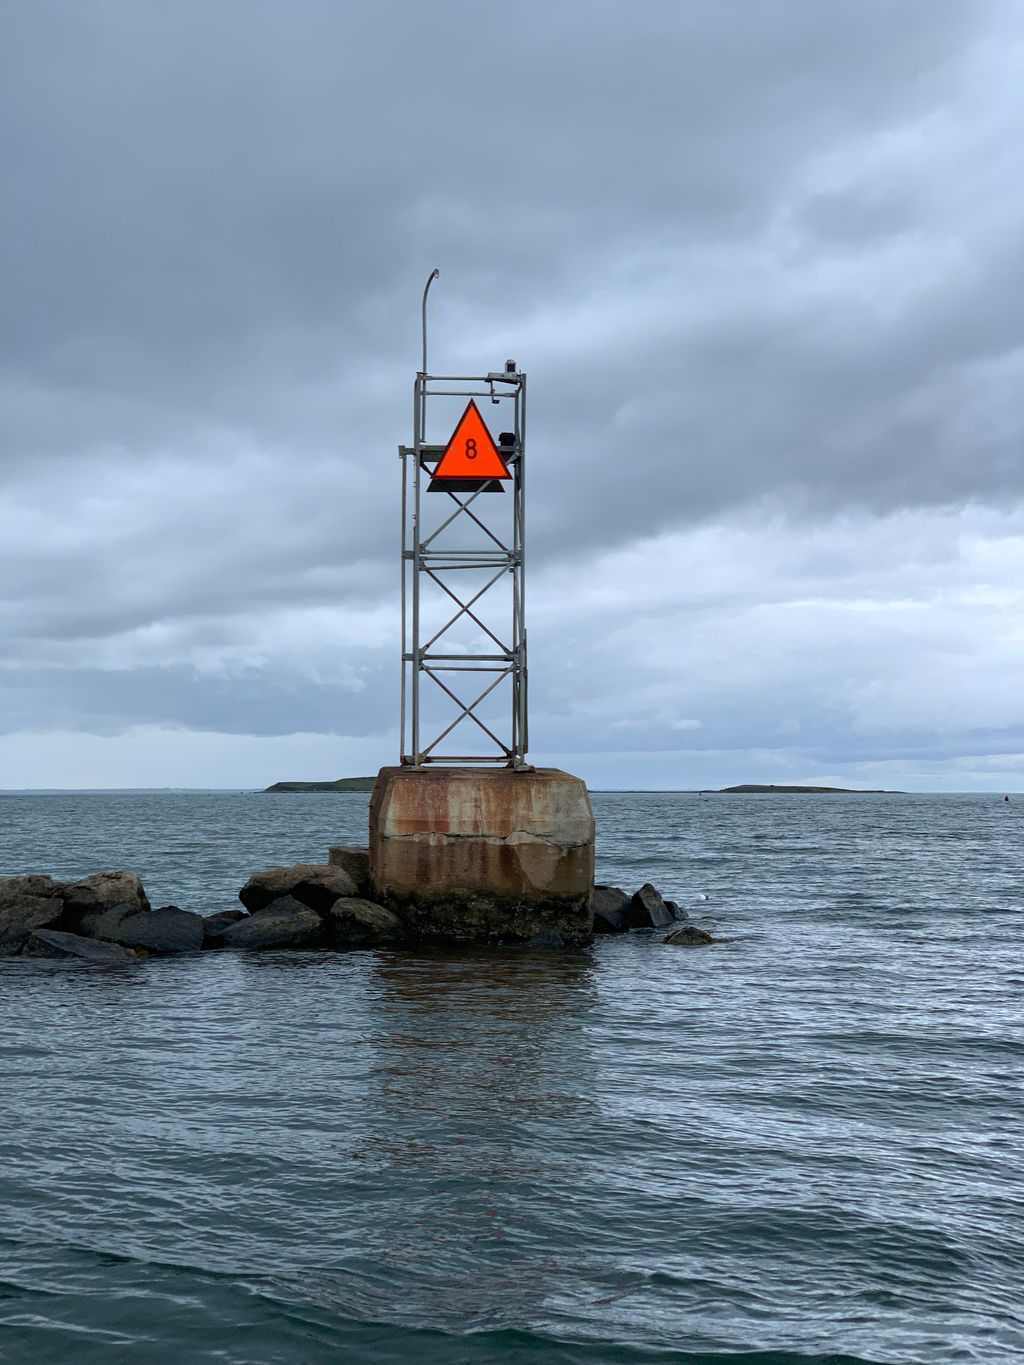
(520, 835)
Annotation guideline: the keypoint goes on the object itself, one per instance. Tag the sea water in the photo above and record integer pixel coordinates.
(803, 1144)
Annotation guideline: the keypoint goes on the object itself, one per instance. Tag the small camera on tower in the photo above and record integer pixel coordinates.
(510, 367)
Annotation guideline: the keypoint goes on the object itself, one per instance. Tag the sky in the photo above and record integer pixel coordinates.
(762, 263)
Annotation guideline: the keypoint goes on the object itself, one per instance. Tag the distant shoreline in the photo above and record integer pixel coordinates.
(340, 784)
(366, 784)
(755, 789)
(770, 789)
(329, 787)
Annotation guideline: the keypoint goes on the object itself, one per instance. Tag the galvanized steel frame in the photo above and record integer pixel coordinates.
(422, 559)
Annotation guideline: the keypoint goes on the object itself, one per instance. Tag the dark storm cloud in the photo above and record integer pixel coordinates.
(220, 204)
(750, 255)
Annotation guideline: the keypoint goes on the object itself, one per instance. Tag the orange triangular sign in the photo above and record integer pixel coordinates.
(471, 452)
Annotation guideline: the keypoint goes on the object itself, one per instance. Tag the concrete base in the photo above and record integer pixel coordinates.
(475, 856)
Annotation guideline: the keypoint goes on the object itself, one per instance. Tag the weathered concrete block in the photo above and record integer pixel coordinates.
(468, 855)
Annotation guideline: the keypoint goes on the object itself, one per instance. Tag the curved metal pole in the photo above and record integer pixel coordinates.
(430, 280)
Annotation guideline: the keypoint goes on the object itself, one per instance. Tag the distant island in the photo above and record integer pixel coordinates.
(748, 787)
(366, 784)
(341, 784)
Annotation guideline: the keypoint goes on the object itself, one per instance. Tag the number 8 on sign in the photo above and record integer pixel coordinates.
(471, 452)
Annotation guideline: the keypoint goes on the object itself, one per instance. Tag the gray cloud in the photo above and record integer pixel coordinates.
(758, 260)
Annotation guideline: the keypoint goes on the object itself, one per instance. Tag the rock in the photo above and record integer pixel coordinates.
(86, 901)
(355, 923)
(677, 910)
(32, 884)
(353, 860)
(317, 885)
(98, 923)
(167, 930)
(214, 926)
(323, 886)
(53, 943)
(20, 915)
(646, 909)
(547, 938)
(285, 923)
(610, 906)
(689, 936)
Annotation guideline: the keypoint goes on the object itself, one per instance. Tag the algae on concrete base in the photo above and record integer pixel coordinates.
(464, 854)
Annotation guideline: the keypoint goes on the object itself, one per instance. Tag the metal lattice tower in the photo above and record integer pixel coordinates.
(463, 569)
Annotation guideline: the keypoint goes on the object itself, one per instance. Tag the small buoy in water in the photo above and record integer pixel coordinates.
(1006, 798)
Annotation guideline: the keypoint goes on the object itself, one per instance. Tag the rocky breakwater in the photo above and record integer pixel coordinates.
(314, 906)
(108, 917)
(617, 912)
(332, 906)
(104, 917)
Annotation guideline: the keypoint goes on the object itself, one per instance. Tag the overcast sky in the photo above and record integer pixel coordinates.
(763, 261)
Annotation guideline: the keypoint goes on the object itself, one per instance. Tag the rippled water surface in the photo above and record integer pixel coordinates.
(803, 1144)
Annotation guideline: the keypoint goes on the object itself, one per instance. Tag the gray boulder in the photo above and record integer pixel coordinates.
(353, 860)
(20, 915)
(167, 930)
(32, 884)
(610, 905)
(52, 943)
(87, 900)
(647, 909)
(285, 923)
(677, 910)
(354, 923)
(688, 936)
(317, 885)
(215, 925)
(98, 923)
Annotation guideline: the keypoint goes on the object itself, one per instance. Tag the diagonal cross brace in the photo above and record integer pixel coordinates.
(464, 609)
(463, 507)
(467, 711)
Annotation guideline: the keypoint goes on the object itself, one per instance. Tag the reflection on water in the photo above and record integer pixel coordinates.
(485, 1039)
(479, 1060)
